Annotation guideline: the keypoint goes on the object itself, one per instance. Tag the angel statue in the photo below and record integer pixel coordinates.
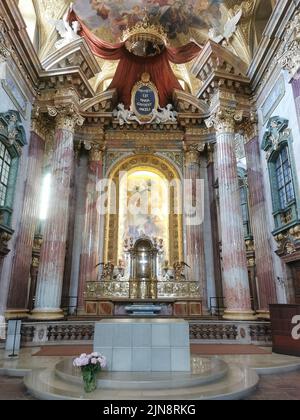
(167, 114)
(228, 31)
(67, 31)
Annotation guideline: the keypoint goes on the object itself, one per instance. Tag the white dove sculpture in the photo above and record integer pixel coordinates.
(67, 32)
(229, 29)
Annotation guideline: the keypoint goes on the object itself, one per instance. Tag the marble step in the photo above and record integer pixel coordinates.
(237, 384)
(204, 371)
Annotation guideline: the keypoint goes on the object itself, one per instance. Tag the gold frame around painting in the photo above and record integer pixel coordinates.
(175, 220)
(144, 82)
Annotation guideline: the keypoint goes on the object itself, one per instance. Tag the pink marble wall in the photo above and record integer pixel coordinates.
(52, 262)
(263, 252)
(19, 284)
(90, 254)
(195, 251)
(235, 274)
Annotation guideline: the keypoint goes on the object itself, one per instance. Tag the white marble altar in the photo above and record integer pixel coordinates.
(144, 345)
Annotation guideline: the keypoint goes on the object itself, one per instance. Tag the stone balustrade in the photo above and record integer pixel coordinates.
(201, 332)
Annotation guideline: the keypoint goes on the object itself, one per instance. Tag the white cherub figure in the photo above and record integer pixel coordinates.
(67, 32)
(123, 115)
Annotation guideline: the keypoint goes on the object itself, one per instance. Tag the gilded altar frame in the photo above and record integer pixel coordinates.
(175, 220)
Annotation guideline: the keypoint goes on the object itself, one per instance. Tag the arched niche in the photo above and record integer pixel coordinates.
(162, 168)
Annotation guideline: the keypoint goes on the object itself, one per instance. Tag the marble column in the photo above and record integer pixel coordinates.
(53, 252)
(17, 304)
(266, 283)
(90, 252)
(235, 273)
(194, 236)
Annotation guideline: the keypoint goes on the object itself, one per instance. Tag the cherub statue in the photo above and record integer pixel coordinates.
(167, 114)
(124, 116)
(67, 32)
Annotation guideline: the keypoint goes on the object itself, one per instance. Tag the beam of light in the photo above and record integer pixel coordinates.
(45, 197)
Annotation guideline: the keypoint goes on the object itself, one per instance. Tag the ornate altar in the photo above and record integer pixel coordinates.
(143, 278)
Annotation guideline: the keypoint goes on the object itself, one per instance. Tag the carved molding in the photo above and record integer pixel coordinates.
(12, 131)
(289, 54)
(5, 238)
(6, 49)
(277, 132)
(289, 242)
(224, 120)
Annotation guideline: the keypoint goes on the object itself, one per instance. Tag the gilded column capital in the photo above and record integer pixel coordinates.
(224, 120)
(289, 55)
(38, 125)
(96, 153)
(250, 127)
(66, 116)
(192, 153)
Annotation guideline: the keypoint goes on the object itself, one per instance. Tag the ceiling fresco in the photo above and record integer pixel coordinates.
(179, 17)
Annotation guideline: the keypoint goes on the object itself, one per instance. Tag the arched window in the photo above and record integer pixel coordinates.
(277, 143)
(5, 167)
(12, 139)
(284, 176)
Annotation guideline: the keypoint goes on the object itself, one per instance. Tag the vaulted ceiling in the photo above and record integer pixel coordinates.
(182, 20)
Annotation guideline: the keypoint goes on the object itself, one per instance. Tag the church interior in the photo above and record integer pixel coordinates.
(149, 198)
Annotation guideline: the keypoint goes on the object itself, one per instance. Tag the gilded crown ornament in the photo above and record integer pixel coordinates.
(146, 31)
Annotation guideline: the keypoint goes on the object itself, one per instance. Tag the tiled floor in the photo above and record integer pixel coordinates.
(278, 387)
(13, 389)
(273, 387)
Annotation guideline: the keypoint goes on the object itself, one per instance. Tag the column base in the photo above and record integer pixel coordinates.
(239, 316)
(263, 315)
(16, 314)
(81, 312)
(47, 315)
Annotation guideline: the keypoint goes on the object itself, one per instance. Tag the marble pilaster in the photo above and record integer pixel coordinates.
(296, 91)
(90, 252)
(266, 283)
(194, 234)
(235, 273)
(17, 304)
(214, 223)
(53, 252)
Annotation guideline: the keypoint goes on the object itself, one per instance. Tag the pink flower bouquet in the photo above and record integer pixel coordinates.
(90, 365)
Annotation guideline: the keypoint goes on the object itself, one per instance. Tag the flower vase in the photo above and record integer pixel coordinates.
(89, 376)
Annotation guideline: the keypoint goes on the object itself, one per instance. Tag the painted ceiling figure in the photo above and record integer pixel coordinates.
(144, 57)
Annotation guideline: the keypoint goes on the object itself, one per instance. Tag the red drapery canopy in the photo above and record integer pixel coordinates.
(131, 67)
